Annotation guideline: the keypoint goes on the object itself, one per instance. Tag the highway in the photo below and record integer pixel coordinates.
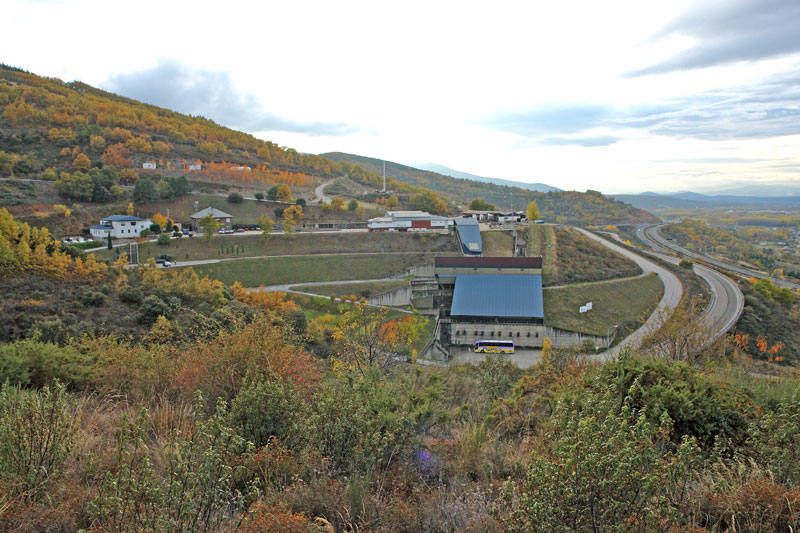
(651, 235)
(673, 291)
(727, 301)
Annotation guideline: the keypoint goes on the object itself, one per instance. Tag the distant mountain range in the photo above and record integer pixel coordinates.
(446, 171)
(757, 196)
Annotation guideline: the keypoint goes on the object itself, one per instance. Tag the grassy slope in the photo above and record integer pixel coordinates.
(569, 257)
(497, 244)
(280, 270)
(358, 289)
(302, 243)
(623, 302)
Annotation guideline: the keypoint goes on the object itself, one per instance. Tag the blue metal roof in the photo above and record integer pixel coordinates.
(121, 218)
(498, 295)
(109, 228)
(469, 233)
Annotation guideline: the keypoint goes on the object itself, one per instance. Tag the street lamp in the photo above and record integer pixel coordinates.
(608, 335)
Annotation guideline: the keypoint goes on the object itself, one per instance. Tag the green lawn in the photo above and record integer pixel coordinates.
(359, 289)
(227, 246)
(497, 244)
(280, 270)
(625, 302)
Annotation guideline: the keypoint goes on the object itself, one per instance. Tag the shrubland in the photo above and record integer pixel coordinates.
(227, 409)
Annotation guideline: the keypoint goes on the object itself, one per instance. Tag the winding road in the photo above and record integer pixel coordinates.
(673, 290)
(727, 301)
(652, 237)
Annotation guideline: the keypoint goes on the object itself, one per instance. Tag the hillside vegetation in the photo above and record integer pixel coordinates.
(590, 207)
(159, 400)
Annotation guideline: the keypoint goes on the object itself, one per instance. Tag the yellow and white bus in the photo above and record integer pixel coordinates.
(493, 346)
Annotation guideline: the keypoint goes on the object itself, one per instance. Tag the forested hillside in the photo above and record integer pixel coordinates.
(590, 207)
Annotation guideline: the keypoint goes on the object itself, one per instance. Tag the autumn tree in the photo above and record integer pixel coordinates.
(117, 155)
(97, 143)
(367, 337)
(337, 204)
(81, 162)
(161, 220)
(294, 212)
(283, 193)
(532, 211)
(392, 202)
(128, 176)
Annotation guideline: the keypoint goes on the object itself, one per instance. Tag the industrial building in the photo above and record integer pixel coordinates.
(468, 233)
(410, 221)
(490, 298)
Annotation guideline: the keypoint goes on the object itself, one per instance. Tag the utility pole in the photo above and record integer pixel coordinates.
(384, 176)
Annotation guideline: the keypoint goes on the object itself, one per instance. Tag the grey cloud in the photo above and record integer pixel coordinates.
(730, 32)
(210, 94)
(588, 142)
(551, 120)
(768, 109)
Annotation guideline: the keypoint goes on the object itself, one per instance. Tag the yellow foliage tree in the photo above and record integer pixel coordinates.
(532, 211)
(82, 162)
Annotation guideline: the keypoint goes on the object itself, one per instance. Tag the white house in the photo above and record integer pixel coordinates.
(195, 167)
(149, 164)
(120, 227)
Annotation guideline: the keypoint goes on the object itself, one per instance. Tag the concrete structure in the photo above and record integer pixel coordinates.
(495, 216)
(409, 221)
(120, 227)
(223, 218)
(468, 233)
(488, 298)
(492, 298)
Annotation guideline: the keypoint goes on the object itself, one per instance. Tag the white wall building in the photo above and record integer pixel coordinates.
(149, 164)
(409, 221)
(120, 227)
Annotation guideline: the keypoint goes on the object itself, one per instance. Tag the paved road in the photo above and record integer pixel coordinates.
(727, 301)
(319, 193)
(653, 235)
(673, 290)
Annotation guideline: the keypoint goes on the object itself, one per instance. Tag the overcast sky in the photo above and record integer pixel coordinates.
(620, 96)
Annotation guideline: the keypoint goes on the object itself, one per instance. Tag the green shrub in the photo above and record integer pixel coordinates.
(33, 363)
(36, 431)
(775, 441)
(53, 331)
(131, 295)
(268, 409)
(696, 405)
(93, 298)
(151, 308)
(235, 198)
(259, 196)
(197, 486)
(163, 239)
(603, 467)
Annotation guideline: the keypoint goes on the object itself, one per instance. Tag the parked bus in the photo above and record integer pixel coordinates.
(493, 346)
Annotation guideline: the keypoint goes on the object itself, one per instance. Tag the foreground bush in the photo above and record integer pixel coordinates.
(603, 467)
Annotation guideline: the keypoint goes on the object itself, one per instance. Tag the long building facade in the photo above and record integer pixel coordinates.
(490, 298)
